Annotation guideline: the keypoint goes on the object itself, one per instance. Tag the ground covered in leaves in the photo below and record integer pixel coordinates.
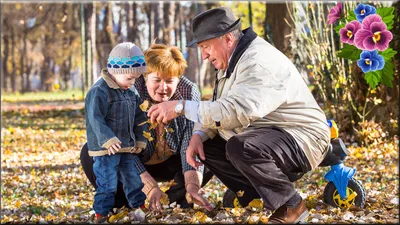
(42, 180)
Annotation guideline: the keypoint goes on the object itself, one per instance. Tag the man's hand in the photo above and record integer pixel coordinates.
(154, 199)
(193, 196)
(195, 148)
(114, 148)
(163, 112)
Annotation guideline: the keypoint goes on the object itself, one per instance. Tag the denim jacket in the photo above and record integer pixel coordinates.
(112, 116)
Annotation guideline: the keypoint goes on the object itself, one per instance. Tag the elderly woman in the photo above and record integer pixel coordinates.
(164, 158)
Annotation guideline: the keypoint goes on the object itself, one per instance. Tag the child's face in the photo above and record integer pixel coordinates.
(125, 81)
(161, 90)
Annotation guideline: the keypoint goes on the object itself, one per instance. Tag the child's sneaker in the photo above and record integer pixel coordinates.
(98, 218)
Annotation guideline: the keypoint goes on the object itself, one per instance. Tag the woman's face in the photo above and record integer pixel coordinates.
(160, 90)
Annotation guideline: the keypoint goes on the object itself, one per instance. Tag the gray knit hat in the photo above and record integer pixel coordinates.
(126, 58)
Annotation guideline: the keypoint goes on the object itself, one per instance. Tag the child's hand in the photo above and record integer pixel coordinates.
(114, 148)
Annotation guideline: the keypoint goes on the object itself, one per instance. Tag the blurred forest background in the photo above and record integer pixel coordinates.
(63, 46)
(51, 53)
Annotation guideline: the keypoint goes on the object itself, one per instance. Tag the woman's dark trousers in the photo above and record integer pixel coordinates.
(166, 171)
(263, 163)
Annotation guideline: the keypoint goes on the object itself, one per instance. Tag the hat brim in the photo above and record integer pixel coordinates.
(233, 26)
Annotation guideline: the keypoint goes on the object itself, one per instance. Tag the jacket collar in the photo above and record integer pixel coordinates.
(244, 42)
(109, 80)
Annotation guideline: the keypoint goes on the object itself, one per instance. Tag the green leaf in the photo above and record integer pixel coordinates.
(338, 27)
(388, 53)
(387, 14)
(387, 73)
(351, 16)
(373, 78)
(385, 11)
(349, 52)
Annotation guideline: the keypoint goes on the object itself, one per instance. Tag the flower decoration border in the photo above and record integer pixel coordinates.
(365, 33)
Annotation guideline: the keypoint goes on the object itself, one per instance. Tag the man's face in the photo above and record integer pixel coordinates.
(217, 50)
(161, 90)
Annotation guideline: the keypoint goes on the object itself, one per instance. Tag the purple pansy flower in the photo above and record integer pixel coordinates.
(335, 13)
(348, 32)
(370, 61)
(363, 11)
(373, 34)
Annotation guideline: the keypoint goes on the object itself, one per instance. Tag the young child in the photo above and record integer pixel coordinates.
(112, 118)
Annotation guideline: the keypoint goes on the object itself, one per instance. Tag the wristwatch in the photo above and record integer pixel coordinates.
(179, 108)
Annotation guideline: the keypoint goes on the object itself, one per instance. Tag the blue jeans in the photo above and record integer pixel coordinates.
(108, 170)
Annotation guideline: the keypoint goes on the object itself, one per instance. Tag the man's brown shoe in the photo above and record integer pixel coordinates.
(285, 214)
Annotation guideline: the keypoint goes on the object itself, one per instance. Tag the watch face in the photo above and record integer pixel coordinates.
(179, 107)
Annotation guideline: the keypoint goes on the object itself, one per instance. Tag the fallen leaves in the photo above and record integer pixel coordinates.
(43, 182)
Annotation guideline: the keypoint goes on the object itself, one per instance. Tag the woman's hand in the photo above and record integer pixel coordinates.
(195, 148)
(163, 112)
(154, 199)
(193, 196)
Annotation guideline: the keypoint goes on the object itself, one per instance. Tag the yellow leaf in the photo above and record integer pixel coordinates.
(116, 217)
(170, 130)
(50, 217)
(199, 217)
(18, 204)
(33, 172)
(11, 130)
(144, 106)
(264, 219)
(172, 183)
(62, 214)
(153, 125)
(141, 124)
(147, 135)
(164, 199)
(240, 193)
(56, 86)
(256, 203)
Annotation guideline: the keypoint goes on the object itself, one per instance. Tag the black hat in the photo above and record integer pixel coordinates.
(213, 23)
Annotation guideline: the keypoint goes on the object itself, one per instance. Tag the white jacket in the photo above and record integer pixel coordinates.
(266, 89)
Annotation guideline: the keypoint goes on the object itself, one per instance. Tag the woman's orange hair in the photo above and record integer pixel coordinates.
(167, 61)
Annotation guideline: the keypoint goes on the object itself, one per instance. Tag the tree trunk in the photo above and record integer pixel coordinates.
(149, 12)
(169, 22)
(13, 47)
(156, 20)
(109, 27)
(134, 29)
(207, 70)
(44, 70)
(267, 27)
(191, 71)
(280, 30)
(22, 66)
(130, 22)
(178, 29)
(66, 71)
(5, 59)
(28, 70)
(95, 62)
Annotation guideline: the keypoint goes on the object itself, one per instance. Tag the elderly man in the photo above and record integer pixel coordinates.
(263, 128)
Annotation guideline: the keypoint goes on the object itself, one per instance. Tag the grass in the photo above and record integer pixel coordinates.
(69, 95)
(75, 94)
